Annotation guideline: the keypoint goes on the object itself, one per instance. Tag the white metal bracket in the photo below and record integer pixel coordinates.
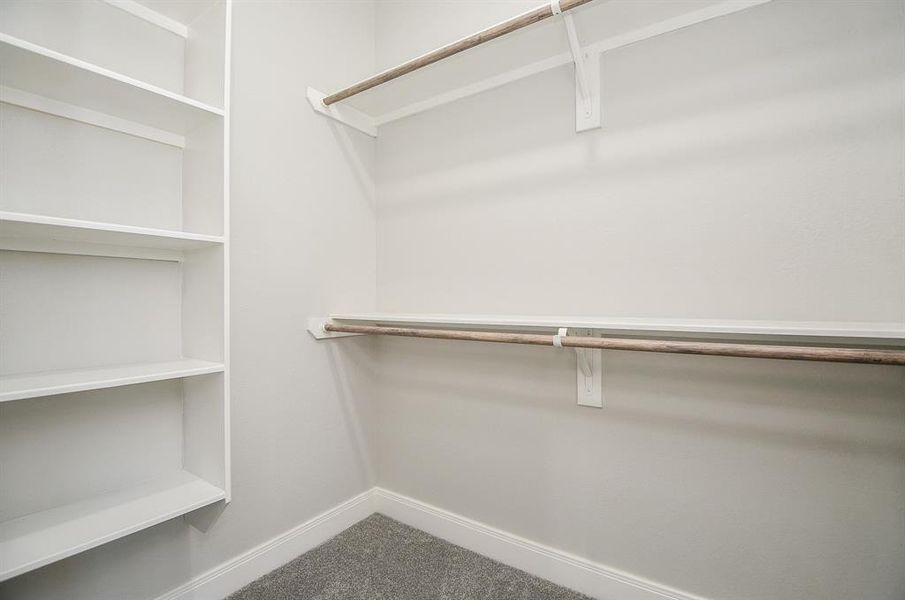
(344, 114)
(317, 331)
(588, 371)
(587, 77)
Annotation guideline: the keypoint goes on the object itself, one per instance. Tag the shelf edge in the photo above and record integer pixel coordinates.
(213, 495)
(108, 74)
(78, 224)
(101, 384)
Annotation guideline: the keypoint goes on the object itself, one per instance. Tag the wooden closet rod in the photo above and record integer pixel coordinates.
(850, 355)
(523, 20)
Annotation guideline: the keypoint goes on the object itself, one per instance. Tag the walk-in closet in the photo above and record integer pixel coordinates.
(452, 299)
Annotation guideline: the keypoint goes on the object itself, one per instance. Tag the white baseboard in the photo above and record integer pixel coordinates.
(568, 570)
(232, 575)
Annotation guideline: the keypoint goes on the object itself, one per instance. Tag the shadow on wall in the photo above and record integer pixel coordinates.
(821, 407)
(354, 146)
(350, 365)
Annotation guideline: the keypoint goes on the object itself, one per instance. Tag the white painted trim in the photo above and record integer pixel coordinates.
(230, 576)
(721, 9)
(568, 570)
(155, 18)
(227, 129)
(85, 115)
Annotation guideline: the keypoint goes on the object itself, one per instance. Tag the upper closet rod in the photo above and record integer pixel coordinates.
(849, 355)
(529, 18)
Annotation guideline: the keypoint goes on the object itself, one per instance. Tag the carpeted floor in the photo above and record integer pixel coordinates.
(382, 559)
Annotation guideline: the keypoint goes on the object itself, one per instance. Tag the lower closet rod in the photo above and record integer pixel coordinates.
(850, 355)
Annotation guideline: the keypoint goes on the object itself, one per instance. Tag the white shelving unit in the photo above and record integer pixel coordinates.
(114, 253)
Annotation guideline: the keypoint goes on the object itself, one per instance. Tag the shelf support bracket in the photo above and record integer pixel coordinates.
(588, 371)
(317, 331)
(587, 76)
(343, 114)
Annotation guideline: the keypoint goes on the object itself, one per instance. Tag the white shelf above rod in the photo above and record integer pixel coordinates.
(736, 349)
(368, 120)
(656, 338)
(323, 103)
(824, 332)
(476, 39)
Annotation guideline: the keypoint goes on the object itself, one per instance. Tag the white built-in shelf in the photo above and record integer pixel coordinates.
(48, 74)
(523, 53)
(884, 333)
(49, 383)
(116, 305)
(41, 538)
(20, 231)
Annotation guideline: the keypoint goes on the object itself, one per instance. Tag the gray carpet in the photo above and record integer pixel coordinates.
(382, 559)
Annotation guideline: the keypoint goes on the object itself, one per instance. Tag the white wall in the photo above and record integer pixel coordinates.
(303, 239)
(749, 168)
